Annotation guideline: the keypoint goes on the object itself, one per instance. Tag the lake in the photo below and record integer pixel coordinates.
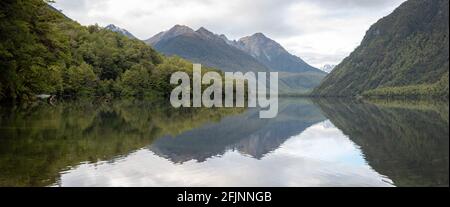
(312, 142)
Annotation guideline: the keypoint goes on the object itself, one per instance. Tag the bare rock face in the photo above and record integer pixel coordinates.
(273, 55)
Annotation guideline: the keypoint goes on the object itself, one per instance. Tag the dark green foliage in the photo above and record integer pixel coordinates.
(437, 90)
(44, 52)
(31, 49)
(406, 49)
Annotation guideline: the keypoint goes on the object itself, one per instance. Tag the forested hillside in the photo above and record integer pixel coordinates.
(403, 54)
(44, 52)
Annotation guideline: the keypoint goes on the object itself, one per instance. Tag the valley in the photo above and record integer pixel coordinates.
(87, 90)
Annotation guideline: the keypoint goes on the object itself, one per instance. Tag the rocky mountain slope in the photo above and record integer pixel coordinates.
(204, 47)
(272, 54)
(255, 53)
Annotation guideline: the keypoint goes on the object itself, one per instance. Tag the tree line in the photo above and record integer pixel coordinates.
(44, 52)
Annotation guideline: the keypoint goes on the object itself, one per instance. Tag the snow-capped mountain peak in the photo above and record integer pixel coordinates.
(119, 30)
(328, 68)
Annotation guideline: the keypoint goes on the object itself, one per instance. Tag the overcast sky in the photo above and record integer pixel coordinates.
(319, 31)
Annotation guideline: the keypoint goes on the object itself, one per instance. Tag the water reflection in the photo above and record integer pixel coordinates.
(300, 161)
(406, 141)
(246, 133)
(38, 142)
(310, 143)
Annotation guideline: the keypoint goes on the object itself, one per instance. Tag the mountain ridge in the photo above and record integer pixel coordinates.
(204, 47)
(403, 54)
(210, 49)
(273, 55)
(257, 45)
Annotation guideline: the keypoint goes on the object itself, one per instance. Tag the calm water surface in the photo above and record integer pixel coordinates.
(310, 143)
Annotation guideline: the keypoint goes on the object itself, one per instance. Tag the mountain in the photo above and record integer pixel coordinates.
(327, 68)
(295, 75)
(256, 53)
(272, 54)
(403, 54)
(204, 47)
(119, 30)
(177, 30)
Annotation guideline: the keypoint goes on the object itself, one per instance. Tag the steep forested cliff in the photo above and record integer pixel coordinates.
(404, 54)
(43, 51)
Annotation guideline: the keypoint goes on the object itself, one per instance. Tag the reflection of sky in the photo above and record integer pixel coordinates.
(327, 144)
(319, 156)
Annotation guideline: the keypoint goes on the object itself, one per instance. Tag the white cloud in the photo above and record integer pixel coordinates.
(319, 31)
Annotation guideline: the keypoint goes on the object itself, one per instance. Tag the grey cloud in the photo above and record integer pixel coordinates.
(238, 18)
(351, 4)
(249, 17)
(319, 59)
(72, 6)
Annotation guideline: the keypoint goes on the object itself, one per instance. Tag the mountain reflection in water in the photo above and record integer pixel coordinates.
(310, 143)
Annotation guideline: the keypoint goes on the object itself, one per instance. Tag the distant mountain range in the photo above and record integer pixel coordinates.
(256, 53)
(204, 47)
(328, 68)
(404, 54)
(264, 50)
(119, 30)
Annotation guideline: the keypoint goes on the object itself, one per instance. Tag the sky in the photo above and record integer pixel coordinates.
(319, 31)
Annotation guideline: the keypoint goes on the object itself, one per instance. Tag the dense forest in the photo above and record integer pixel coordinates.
(403, 54)
(44, 52)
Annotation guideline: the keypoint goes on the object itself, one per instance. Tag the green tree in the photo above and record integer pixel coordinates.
(80, 80)
(136, 81)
